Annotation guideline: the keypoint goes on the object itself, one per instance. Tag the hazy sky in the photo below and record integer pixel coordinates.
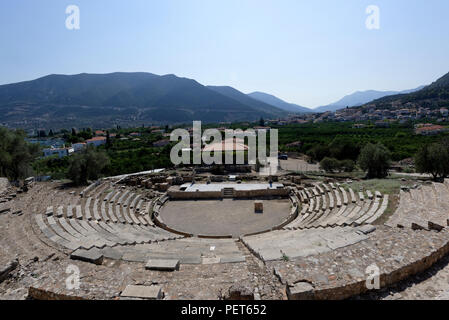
(307, 52)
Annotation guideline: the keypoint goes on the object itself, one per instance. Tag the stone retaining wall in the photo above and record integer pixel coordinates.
(181, 195)
(238, 194)
(386, 279)
(158, 222)
(340, 274)
(261, 193)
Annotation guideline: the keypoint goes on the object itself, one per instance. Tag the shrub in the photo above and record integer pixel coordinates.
(347, 165)
(330, 164)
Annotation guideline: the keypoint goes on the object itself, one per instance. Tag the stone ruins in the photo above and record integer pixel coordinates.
(136, 237)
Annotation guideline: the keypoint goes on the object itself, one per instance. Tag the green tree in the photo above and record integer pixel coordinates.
(85, 134)
(16, 155)
(347, 165)
(329, 164)
(108, 140)
(375, 159)
(318, 152)
(344, 148)
(87, 165)
(433, 159)
(41, 134)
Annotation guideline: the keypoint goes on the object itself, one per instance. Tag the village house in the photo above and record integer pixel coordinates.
(100, 133)
(430, 129)
(60, 152)
(96, 141)
(79, 146)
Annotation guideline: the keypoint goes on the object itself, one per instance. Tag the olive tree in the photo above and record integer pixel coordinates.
(16, 154)
(87, 165)
(375, 160)
(433, 159)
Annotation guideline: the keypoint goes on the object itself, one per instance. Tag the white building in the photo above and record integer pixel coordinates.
(61, 152)
(79, 146)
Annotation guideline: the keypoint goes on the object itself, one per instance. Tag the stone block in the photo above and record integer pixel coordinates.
(93, 256)
(211, 260)
(49, 211)
(366, 229)
(301, 291)
(162, 264)
(143, 292)
(258, 206)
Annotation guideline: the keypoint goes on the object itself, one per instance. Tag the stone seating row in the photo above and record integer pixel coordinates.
(426, 207)
(186, 250)
(336, 208)
(126, 207)
(290, 244)
(92, 188)
(73, 234)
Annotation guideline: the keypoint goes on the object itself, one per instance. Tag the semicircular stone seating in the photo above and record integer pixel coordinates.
(423, 208)
(328, 217)
(322, 251)
(331, 205)
(117, 222)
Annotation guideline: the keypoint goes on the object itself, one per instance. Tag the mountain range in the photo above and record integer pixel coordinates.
(360, 98)
(435, 95)
(100, 100)
(281, 104)
(132, 99)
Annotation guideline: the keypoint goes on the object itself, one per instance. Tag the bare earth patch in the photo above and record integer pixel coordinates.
(224, 217)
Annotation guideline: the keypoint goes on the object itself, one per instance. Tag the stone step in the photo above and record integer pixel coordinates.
(53, 236)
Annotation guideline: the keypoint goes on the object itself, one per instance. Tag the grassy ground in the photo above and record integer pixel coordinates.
(337, 175)
(385, 186)
(409, 177)
(393, 203)
(390, 186)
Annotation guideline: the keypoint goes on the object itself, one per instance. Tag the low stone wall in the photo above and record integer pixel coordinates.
(386, 279)
(181, 195)
(158, 222)
(238, 194)
(43, 294)
(320, 278)
(261, 193)
(291, 217)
